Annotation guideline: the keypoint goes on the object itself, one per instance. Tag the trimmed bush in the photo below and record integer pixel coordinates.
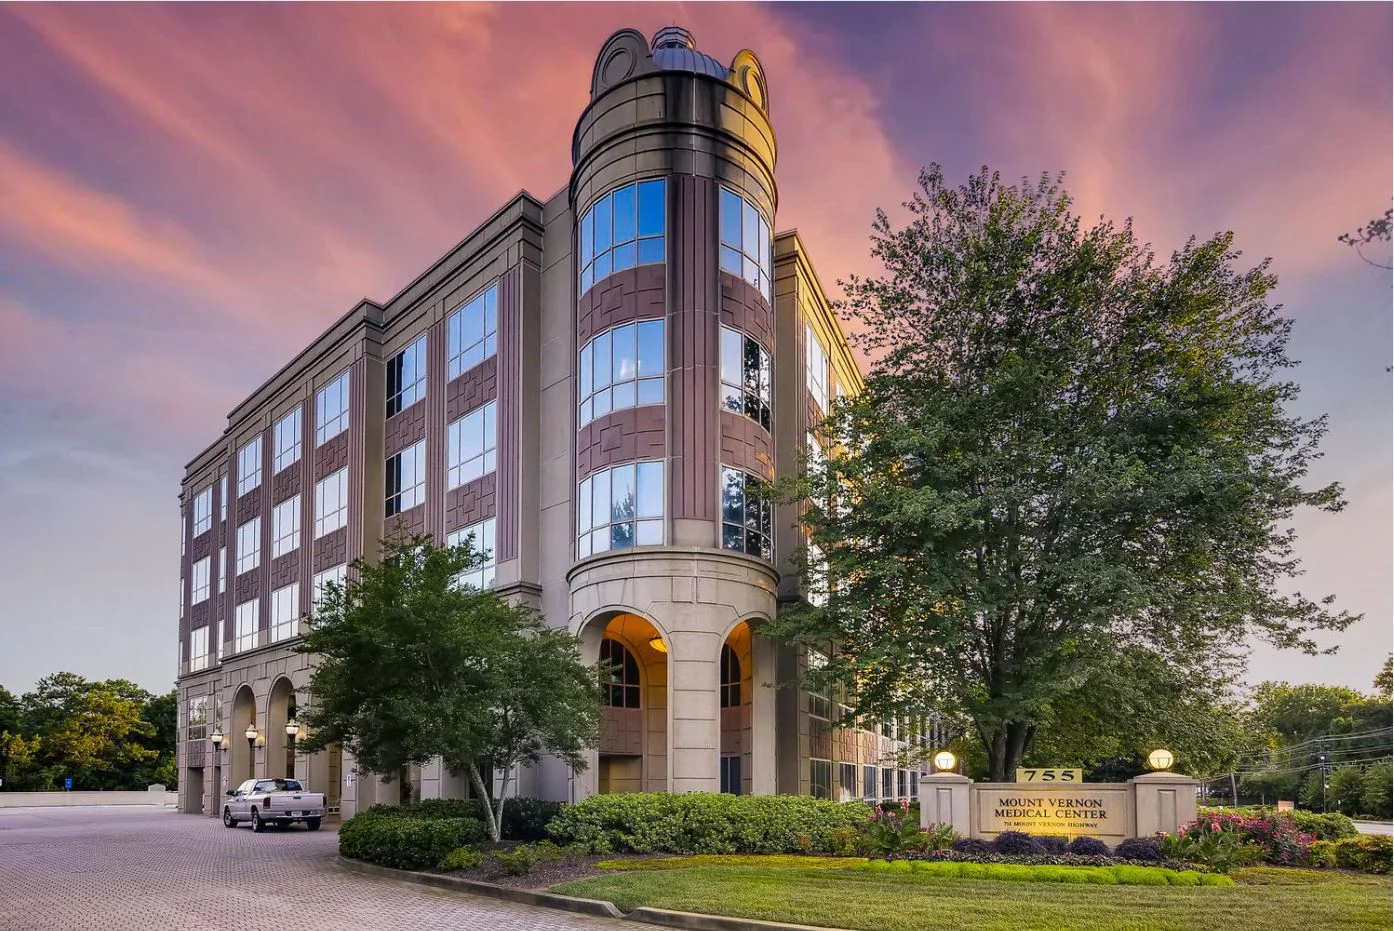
(1322, 854)
(974, 846)
(1052, 844)
(1093, 847)
(461, 858)
(657, 822)
(1368, 853)
(1145, 849)
(1017, 844)
(519, 861)
(527, 818)
(405, 843)
(1330, 826)
(1099, 875)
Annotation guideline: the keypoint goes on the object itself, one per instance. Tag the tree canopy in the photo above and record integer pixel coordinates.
(1067, 451)
(413, 665)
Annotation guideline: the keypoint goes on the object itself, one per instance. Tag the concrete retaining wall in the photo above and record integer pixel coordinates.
(74, 799)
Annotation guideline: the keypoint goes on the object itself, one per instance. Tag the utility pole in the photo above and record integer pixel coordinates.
(1321, 768)
(1233, 789)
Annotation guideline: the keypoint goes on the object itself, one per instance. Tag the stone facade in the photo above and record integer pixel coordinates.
(685, 602)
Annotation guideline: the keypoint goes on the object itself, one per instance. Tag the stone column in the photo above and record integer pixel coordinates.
(944, 799)
(1162, 802)
(763, 716)
(694, 713)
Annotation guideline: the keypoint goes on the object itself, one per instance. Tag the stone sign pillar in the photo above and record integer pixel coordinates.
(1163, 802)
(944, 800)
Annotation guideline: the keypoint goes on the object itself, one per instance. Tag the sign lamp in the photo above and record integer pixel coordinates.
(1160, 759)
(945, 761)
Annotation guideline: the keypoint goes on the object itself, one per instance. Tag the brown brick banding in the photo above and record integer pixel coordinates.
(621, 436)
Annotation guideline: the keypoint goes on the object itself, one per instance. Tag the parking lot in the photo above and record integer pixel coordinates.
(149, 869)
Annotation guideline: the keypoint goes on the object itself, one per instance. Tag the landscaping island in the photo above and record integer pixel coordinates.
(854, 866)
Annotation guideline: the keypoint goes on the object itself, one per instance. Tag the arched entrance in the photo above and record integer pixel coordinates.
(280, 709)
(633, 751)
(242, 762)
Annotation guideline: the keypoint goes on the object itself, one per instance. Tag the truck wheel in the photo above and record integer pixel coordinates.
(257, 824)
(312, 824)
(228, 820)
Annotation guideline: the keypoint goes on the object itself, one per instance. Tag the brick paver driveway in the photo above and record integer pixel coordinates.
(148, 869)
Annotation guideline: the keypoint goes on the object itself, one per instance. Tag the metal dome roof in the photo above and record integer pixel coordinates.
(673, 50)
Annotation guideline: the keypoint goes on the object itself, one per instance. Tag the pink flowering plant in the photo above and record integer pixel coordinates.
(1243, 838)
(898, 831)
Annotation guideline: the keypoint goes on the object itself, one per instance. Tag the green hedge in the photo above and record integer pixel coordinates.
(1369, 853)
(1090, 875)
(406, 837)
(657, 822)
(1330, 826)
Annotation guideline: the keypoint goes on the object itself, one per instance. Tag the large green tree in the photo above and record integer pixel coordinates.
(94, 732)
(413, 666)
(1065, 449)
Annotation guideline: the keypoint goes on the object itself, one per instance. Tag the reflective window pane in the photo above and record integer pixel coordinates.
(620, 368)
(625, 256)
(603, 223)
(625, 214)
(652, 208)
(651, 251)
(650, 489)
(731, 204)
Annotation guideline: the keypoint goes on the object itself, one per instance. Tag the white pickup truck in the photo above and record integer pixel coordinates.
(273, 801)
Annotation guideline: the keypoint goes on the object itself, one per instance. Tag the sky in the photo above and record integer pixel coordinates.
(190, 193)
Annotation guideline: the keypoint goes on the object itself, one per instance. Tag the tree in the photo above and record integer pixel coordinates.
(91, 731)
(1384, 682)
(414, 666)
(1345, 788)
(1377, 230)
(1376, 790)
(1064, 450)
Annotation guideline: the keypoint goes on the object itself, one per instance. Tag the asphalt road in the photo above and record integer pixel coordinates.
(150, 869)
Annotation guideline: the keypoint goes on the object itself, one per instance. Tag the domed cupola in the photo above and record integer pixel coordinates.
(674, 50)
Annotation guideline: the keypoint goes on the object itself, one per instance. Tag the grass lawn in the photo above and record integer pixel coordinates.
(1267, 899)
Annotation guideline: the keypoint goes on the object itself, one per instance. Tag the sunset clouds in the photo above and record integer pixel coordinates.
(189, 193)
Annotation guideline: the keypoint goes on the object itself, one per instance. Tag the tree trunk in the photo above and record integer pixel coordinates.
(491, 822)
(1005, 748)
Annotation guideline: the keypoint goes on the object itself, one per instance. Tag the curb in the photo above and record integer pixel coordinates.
(596, 907)
(686, 921)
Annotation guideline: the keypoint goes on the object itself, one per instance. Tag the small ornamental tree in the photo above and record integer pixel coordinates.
(413, 665)
(1066, 451)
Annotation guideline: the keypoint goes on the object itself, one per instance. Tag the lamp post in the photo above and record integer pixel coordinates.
(292, 730)
(251, 734)
(945, 761)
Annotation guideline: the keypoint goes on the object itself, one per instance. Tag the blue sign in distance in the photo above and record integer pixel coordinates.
(68, 783)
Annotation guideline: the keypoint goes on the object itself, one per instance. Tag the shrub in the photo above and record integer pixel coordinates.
(1017, 843)
(1322, 854)
(847, 841)
(1145, 849)
(893, 831)
(940, 837)
(1330, 826)
(657, 822)
(1052, 844)
(405, 843)
(461, 858)
(1221, 850)
(1369, 853)
(527, 818)
(519, 861)
(1093, 847)
(1100, 875)
(975, 846)
(1377, 786)
(1275, 837)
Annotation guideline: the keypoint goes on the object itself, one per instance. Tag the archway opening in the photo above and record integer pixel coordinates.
(242, 764)
(280, 709)
(737, 694)
(633, 752)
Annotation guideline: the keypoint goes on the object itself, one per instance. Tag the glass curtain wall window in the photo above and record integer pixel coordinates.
(620, 507)
(198, 649)
(472, 442)
(623, 687)
(285, 442)
(406, 478)
(201, 580)
(817, 361)
(746, 514)
(472, 333)
(622, 367)
(331, 503)
(197, 725)
(746, 376)
(222, 569)
(623, 229)
(203, 511)
(730, 677)
(731, 775)
(285, 526)
(222, 498)
(249, 545)
(248, 617)
(847, 781)
(332, 409)
(249, 466)
(406, 377)
(869, 783)
(481, 537)
(820, 778)
(745, 242)
(334, 574)
(285, 612)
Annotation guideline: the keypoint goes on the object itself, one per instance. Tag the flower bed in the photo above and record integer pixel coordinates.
(1118, 874)
(1035, 859)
